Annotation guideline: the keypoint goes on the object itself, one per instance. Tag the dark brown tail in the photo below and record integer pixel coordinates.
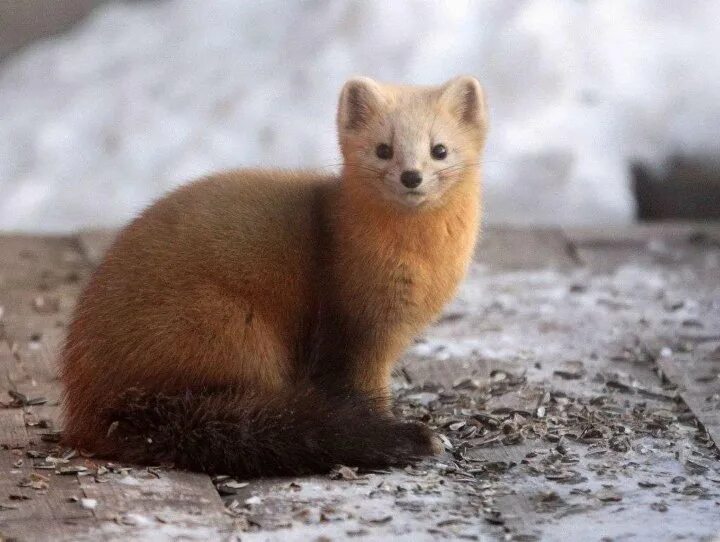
(240, 434)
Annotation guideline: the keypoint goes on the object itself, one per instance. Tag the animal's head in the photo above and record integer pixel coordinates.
(411, 144)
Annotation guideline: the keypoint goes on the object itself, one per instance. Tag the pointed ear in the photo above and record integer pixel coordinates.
(465, 98)
(361, 98)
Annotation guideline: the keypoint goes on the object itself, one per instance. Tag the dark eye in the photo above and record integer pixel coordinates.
(383, 151)
(439, 151)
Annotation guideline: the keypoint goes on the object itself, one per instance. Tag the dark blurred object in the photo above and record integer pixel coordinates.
(686, 187)
(22, 21)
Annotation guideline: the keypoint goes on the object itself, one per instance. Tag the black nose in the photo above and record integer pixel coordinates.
(411, 178)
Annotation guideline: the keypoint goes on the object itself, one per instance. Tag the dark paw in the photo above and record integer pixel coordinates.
(417, 440)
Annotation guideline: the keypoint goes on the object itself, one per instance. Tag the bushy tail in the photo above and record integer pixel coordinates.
(242, 434)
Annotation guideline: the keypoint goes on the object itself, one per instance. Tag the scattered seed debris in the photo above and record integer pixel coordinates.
(21, 400)
(231, 487)
(376, 517)
(35, 481)
(659, 506)
(608, 495)
(341, 472)
(572, 370)
(54, 436)
(71, 469)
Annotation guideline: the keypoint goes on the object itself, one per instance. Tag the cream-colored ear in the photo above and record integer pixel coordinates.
(465, 97)
(360, 99)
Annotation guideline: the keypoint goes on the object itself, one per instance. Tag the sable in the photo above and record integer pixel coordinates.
(247, 323)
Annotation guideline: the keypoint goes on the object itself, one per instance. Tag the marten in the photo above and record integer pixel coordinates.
(248, 322)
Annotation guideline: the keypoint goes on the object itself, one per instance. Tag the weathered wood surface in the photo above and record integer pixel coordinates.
(40, 279)
(561, 378)
(512, 249)
(698, 379)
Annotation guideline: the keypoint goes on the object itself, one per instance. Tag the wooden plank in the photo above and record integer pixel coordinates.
(698, 379)
(184, 499)
(644, 232)
(94, 243)
(578, 324)
(32, 343)
(510, 249)
(12, 429)
(38, 262)
(41, 277)
(666, 243)
(37, 530)
(13, 433)
(635, 234)
(443, 372)
(451, 371)
(53, 503)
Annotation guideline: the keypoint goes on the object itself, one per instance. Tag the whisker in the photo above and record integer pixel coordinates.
(459, 167)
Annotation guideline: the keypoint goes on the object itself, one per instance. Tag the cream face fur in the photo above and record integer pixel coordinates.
(410, 121)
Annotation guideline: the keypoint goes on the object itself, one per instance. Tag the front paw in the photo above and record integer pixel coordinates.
(418, 440)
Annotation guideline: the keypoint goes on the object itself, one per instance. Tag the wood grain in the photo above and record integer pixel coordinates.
(40, 278)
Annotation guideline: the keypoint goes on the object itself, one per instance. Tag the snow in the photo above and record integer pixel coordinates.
(143, 96)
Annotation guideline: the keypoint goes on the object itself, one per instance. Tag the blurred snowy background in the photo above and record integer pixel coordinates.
(136, 97)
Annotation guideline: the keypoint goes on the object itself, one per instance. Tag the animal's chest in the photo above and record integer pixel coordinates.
(400, 274)
(410, 287)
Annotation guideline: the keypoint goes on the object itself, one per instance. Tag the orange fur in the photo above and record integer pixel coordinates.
(219, 283)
